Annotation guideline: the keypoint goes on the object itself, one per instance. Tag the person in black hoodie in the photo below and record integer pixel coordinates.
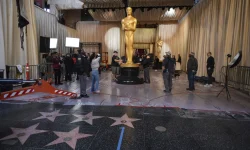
(82, 67)
(156, 63)
(210, 69)
(146, 63)
(69, 63)
(192, 67)
(168, 67)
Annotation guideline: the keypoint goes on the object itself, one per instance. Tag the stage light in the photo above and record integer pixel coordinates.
(170, 12)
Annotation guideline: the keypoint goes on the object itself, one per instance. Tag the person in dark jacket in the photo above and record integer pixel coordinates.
(168, 65)
(210, 69)
(82, 68)
(156, 63)
(179, 58)
(192, 67)
(146, 64)
(57, 68)
(69, 64)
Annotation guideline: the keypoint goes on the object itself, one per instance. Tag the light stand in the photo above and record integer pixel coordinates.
(226, 80)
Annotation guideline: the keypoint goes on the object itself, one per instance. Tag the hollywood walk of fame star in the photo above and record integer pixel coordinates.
(124, 120)
(69, 137)
(50, 115)
(87, 118)
(23, 133)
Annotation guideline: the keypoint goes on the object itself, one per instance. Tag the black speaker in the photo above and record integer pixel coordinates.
(44, 44)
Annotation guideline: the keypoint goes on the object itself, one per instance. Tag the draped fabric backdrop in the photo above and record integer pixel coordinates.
(221, 27)
(48, 26)
(106, 33)
(31, 38)
(11, 34)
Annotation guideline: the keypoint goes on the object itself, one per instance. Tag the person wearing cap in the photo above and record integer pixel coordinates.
(115, 65)
(146, 64)
(192, 67)
(168, 71)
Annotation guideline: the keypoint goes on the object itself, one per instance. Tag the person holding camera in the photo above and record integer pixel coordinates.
(192, 67)
(95, 64)
(82, 68)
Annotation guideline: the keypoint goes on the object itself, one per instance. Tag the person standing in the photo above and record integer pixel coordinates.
(210, 69)
(156, 63)
(82, 67)
(57, 68)
(192, 67)
(168, 71)
(69, 64)
(179, 59)
(115, 65)
(146, 64)
(95, 64)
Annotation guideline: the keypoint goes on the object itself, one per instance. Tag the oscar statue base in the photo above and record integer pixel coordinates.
(129, 75)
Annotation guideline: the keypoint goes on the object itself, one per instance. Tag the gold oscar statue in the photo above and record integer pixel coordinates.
(159, 47)
(129, 26)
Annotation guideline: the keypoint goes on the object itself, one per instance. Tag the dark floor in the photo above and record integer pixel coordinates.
(55, 126)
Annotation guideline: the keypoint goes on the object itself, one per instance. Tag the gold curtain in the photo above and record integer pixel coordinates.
(31, 39)
(221, 27)
(144, 35)
(102, 32)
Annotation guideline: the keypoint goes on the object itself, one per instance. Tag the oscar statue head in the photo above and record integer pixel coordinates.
(129, 11)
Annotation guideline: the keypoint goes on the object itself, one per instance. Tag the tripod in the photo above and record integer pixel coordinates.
(226, 80)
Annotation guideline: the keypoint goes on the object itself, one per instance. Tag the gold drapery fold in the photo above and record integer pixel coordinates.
(101, 32)
(14, 55)
(221, 27)
(144, 35)
(31, 39)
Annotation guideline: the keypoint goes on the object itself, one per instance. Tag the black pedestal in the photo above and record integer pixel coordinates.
(129, 75)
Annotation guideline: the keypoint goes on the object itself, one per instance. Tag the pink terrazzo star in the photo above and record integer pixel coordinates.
(69, 137)
(23, 133)
(87, 118)
(50, 115)
(125, 120)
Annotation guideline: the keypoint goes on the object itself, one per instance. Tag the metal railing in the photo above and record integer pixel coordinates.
(44, 71)
(238, 77)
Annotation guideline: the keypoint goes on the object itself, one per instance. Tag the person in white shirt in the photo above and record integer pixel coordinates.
(95, 64)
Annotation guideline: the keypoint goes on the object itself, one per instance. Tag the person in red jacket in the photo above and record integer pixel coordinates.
(57, 68)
